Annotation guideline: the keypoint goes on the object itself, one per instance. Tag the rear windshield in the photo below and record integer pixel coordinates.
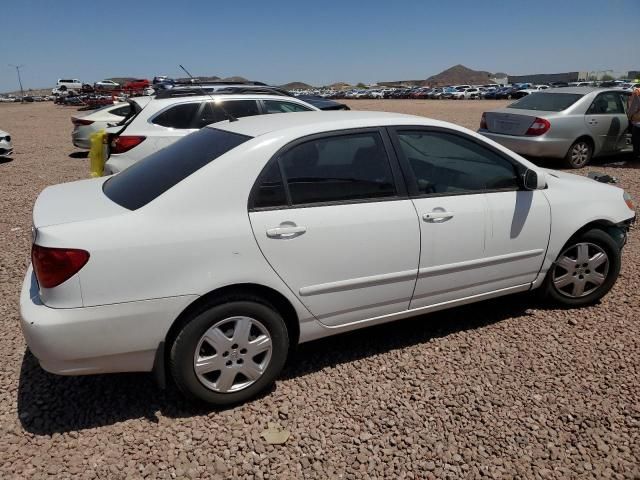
(547, 102)
(149, 178)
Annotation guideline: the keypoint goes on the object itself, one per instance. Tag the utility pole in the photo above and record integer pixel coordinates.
(18, 67)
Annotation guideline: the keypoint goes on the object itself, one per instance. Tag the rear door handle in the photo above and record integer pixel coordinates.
(437, 216)
(286, 232)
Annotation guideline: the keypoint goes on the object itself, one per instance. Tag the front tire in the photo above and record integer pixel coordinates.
(585, 271)
(229, 353)
(579, 154)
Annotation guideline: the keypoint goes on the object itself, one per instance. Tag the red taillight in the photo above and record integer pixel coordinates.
(538, 127)
(80, 121)
(124, 143)
(54, 266)
(483, 121)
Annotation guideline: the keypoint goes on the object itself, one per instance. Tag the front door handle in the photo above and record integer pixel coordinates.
(286, 232)
(437, 216)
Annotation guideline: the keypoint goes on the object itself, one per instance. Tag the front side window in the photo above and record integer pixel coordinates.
(448, 163)
(179, 116)
(279, 106)
(608, 103)
(340, 168)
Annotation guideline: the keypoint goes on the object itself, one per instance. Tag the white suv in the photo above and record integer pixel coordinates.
(162, 121)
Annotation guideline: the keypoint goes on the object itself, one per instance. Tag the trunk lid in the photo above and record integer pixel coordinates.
(73, 202)
(511, 122)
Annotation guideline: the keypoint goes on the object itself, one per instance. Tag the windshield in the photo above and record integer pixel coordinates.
(151, 177)
(547, 102)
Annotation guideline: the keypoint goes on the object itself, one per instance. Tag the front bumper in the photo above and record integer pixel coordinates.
(120, 337)
(541, 146)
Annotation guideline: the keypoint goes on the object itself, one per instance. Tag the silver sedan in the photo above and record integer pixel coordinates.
(574, 124)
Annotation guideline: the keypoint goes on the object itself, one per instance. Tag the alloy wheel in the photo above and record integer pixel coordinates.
(579, 154)
(232, 354)
(580, 270)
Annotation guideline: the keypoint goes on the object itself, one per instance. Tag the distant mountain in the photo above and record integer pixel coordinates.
(459, 74)
(456, 75)
(339, 85)
(234, 79)
(296, 86)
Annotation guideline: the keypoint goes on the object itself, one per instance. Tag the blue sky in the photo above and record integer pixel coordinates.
(281, 41)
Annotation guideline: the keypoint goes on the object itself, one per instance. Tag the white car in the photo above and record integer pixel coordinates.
(6, 147)
(162, 121)
(66, 84)
(106, 85)
(87, 125)
(465, 93)
(209, 259)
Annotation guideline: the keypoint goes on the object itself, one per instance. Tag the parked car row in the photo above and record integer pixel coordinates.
(455, 92)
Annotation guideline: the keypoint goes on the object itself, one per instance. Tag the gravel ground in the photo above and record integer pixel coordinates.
(503, 389)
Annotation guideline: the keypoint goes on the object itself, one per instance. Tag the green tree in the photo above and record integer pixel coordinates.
(361, 85)
(607, 78)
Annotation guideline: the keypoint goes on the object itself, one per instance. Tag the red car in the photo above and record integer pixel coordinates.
(137, 84)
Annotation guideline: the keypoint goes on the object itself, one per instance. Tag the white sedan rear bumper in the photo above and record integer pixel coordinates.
(121, 337)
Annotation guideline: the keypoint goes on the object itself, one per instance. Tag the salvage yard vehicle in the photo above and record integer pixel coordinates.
(6, 147)
(174, 113)
(106, 85)
(210, 258)
(87, 125)
(574, 124)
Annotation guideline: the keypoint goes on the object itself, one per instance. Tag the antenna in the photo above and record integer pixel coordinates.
(18, 67)
(230, 117)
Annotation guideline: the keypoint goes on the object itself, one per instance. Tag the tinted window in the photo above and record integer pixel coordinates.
(142, 182)
(449, 163)
(606, 103)
(347, 167)
(241, 108)
(178, 116)
(122, 111)
(547, 102)
(270, 189)
(212, 112)
(279, 106)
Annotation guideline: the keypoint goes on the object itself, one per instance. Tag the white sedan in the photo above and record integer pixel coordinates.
(6, 147)
(210, 258)
(87, 125)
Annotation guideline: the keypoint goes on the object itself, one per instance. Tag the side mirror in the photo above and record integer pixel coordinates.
(532, 181)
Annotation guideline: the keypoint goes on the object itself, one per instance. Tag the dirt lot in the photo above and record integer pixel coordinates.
(502, 389)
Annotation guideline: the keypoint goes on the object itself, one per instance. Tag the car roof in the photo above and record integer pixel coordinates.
(581, 90)
(221, 96)
(307, 123)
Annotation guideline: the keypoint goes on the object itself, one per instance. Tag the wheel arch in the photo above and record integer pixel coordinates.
(589, 139)
(605, 225)
(241, 291)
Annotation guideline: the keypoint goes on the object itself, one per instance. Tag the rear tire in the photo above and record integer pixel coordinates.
(585, 271)
(230, 352)
(579, 154)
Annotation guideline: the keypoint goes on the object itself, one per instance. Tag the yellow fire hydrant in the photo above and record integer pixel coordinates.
(98, 152)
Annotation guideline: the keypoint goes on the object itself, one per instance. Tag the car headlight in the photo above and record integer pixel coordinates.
(629, 201)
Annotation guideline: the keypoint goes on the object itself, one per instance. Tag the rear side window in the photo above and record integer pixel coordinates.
(278, 106)
(341, 168)
(547, 102)
(122, 111)
(144, 181)
(270, 188)
(179, 116)
(213, 112)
